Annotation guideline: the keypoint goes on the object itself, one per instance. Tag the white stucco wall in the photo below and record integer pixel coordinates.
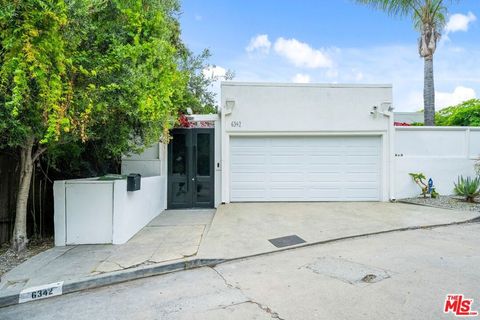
(441, 153)
(289, 107)
(134, 210)
(148, 163)
(89, 211)
(306, 109)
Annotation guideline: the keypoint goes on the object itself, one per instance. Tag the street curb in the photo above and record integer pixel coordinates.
(121, 276)
(155, 269)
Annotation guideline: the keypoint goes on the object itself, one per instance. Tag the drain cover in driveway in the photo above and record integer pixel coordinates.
(286, 241)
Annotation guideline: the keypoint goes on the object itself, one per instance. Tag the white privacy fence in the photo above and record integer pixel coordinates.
(441, 153)
(89, 211)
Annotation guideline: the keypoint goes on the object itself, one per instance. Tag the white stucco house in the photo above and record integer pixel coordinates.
(320, 142)
(290, 142)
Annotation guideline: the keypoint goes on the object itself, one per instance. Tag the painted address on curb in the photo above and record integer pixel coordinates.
(40, 292)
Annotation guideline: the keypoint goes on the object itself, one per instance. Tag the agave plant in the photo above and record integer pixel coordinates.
(468, 188)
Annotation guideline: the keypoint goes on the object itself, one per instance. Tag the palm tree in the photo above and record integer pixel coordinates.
(429, 19)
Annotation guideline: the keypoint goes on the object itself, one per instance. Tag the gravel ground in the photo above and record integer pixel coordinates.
(446, 202)
(9, 259)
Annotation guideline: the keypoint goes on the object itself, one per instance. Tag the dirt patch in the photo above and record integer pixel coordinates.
(9, 259)
(445, 202)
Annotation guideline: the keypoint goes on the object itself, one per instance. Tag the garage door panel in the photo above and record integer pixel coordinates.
(253, 168)
(285, 159)
(360, 177)
(324, 177)
(361, 159)
(287, 193)
(324, 194)
(324, 167)
(305, 168)
(363, 193)
(248, 159)
(287, 177)
(323, 160)
(249, 177)
(286, 168)
(364, 168)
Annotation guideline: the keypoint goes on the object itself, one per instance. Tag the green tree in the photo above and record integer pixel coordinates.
(104, 72)
(33, 88)
(466, 113)
(429, 19)
(198, 97)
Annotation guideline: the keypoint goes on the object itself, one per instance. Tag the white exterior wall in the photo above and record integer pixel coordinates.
(90, 211)
(441, 153)
(151, 162)
(272, 109)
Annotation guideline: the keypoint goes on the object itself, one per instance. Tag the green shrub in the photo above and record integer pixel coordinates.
(418, 179)
(466, 113)
(468, 188)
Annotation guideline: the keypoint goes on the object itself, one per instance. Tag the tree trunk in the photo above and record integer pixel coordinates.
(429, 92)
(19, 241)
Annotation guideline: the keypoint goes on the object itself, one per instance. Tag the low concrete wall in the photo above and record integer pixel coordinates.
(441, 153)
(134, 210)
(91, 211)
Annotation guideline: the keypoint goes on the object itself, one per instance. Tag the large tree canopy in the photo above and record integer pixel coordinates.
(109, 73)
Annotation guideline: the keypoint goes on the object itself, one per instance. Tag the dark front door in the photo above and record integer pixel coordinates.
(191, 168)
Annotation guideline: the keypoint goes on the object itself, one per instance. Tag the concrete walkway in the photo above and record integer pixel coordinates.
(174, 235)
(179, 239)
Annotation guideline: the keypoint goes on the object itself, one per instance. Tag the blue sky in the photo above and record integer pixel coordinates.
(335, 41)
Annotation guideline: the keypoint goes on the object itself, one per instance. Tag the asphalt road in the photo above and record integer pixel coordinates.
(402, 275)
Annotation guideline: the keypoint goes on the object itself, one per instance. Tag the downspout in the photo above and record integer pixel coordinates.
(222, 161)
(386, 106)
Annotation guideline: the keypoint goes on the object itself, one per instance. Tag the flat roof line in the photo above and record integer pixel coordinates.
(317, 85)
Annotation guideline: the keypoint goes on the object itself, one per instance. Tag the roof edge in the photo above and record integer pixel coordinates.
(315, 85)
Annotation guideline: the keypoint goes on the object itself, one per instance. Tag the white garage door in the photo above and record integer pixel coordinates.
(305, 168)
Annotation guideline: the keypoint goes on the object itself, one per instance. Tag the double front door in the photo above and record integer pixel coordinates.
(191, 168)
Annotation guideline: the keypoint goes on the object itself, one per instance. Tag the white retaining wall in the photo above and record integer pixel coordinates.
(90, 211)
(441, 153)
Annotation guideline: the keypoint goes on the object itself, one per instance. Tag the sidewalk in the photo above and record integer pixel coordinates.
(174, 235)
(182, 239)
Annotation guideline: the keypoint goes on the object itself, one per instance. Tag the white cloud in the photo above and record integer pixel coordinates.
(198, 17)
(259, 43)
(459, 22)
(459, 94)
(398, 65)
(358, 76)
(331, 73)
(214, 72)
(301, 78)
(443, 99)
(301, 54)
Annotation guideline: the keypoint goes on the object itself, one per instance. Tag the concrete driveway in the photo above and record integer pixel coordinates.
(242, 229)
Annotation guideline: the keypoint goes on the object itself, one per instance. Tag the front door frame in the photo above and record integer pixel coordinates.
(193, 181)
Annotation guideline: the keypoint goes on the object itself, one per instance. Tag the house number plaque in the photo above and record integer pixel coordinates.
(236, 124)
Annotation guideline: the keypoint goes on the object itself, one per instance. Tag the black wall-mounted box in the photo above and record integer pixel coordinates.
(133, 181)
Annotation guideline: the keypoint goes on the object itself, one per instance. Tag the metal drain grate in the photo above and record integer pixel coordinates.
(286, 241)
